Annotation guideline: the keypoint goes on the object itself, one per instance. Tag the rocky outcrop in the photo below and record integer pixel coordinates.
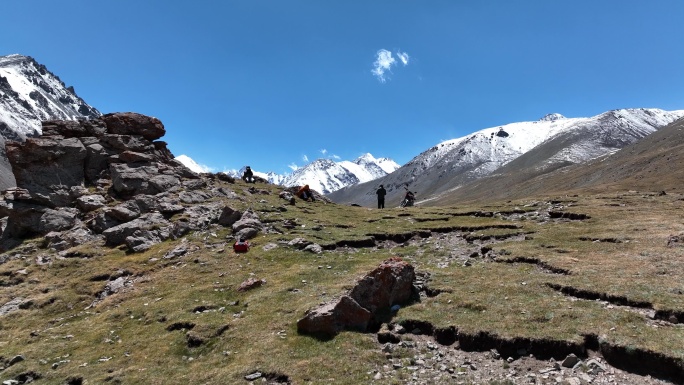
(108, 178)
(366, 305)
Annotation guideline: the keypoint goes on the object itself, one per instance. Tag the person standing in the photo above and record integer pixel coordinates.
(381, 197)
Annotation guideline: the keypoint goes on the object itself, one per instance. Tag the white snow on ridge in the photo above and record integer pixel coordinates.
(192, 165)
(32, 94)
(495, 146)
(388, 165)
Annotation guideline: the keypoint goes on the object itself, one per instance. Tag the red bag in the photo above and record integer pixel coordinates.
(241, 247)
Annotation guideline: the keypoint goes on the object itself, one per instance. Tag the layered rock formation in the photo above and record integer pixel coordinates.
(107, 179)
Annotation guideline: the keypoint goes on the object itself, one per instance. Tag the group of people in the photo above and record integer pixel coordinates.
(305, 193)
(408, 200)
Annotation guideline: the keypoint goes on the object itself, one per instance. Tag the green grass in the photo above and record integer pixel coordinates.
(124, 338)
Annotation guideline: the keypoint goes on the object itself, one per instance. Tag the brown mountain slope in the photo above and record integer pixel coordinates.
(655, 163)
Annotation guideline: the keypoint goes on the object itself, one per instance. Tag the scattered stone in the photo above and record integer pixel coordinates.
(250, 284)
(570, 361)
(16, 359)
(595, 367)
(387, 336)
(253, 376)
(313, 248)
(299, 243)
(675, 240)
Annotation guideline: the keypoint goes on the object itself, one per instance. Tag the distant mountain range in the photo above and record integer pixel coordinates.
(326, 176)
(322, 175)
(503, 161)
(525, 150)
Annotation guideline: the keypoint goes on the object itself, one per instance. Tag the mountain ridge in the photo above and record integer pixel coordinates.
(456, 162)
(30, 94)
(33, 94)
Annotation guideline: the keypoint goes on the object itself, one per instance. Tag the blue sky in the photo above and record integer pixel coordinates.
(275, 84)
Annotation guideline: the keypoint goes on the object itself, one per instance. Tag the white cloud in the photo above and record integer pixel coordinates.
(324, 151)
(305, 158)
(335, 156)
(293, 166)
(404, 57)
(382, 64)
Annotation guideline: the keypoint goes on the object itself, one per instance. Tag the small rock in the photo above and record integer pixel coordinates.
(253, 376)
(16, 359)
(595, 367)
(570, 361)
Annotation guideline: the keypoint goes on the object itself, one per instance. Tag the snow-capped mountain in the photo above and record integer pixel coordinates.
(558, 141)
(322, 175)
(191, 164)
(29, 94)
(270, 176)
(326, 176)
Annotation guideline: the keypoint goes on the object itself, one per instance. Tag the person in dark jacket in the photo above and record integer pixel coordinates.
(248, 175)
(381, 197)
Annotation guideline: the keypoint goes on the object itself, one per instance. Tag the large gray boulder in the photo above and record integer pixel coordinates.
(60, 219)
(229, 216)
(334, 317)
(148, 222)
(90, 202)
(367, 302)
(132, 179)
(389, 284)
(42, 165)
(131, 123)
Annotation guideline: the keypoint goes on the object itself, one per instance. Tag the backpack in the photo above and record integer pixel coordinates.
(241, 246)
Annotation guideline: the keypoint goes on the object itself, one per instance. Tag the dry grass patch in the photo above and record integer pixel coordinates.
(182, 319)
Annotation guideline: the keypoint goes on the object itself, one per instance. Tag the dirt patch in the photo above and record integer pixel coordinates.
(425, 354)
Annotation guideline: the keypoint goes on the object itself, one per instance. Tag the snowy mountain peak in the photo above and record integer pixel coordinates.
(537, 146)
(552, 117)
(365, 158)
(326, 176)
(30, 94)
(322, 175)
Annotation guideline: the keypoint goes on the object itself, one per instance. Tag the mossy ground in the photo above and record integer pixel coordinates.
(620, 251)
